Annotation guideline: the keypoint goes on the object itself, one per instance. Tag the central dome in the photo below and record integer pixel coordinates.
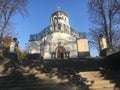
(59, 17)
(57, 13)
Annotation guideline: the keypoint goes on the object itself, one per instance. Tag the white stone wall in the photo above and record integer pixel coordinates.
(103, 43)
(59, 39)
(83, 45)
(34, 47)
(73, 50)
(12, 47)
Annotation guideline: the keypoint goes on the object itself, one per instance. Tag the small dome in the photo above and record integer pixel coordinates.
(58, 13)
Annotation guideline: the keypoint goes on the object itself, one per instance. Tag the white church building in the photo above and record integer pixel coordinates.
(59, 40)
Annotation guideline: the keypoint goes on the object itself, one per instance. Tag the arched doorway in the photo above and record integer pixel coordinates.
(60, 52)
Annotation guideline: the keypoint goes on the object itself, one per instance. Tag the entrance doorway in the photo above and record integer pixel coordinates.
(60, 52)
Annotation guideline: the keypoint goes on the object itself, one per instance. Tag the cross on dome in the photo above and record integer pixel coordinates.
(58, 8)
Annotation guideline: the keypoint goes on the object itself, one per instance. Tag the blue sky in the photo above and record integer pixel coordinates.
(39, 17)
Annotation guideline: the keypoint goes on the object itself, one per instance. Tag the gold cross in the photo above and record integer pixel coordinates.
(58, 8)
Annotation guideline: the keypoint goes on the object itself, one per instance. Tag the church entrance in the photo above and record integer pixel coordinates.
(60, 52)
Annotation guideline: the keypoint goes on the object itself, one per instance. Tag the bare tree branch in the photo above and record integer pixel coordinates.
(105, 16)
(8, 8)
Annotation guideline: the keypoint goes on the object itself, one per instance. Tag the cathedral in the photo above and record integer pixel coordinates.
(59, 40)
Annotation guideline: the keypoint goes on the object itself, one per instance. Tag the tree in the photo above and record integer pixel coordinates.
(105, 19)
(8, 8)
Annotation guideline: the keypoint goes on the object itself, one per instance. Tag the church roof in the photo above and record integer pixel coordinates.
(58, 13)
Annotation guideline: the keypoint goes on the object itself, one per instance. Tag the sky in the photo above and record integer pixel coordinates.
(40, 12)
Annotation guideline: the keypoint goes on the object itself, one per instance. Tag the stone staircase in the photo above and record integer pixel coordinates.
(27, 78)
(32, 77)
(55, 75)
(29, 83)
(96, 82)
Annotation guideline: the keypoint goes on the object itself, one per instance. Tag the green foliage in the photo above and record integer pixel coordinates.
(21, 54)
(6, 45)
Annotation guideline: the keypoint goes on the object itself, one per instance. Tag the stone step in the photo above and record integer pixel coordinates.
(91, 75)
(26, 85)
(96, 81)
(100, 84)
(96, 88)
(90, 72)
(103, 85)
(41, 88)
(24, 81)
(93, 78)
(17, 79)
